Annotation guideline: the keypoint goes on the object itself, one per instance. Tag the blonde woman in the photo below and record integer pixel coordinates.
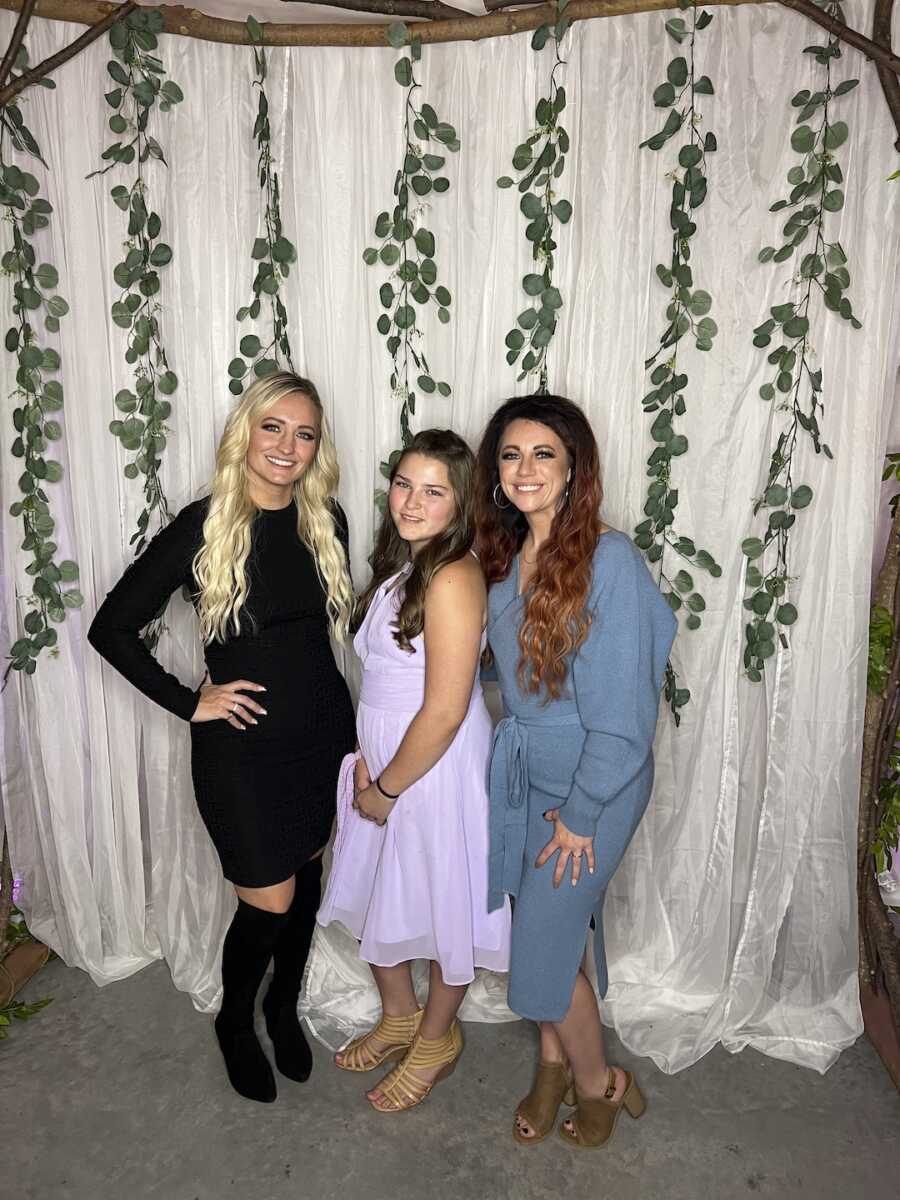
(265, 560)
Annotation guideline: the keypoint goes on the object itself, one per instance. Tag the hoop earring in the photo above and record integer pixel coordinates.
(496, 501)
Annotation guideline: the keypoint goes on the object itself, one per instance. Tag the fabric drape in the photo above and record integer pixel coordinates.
(732, 918)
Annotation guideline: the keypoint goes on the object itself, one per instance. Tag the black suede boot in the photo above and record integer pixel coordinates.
(293, 1057)
(249, 945)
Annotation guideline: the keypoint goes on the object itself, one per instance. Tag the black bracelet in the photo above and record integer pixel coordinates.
(387, 795)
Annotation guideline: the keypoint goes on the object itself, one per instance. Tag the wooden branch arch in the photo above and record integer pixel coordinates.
(190, 22)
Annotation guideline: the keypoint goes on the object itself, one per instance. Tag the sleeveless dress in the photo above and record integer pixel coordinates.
(415, 887)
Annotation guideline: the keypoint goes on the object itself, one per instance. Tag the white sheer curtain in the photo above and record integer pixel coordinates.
(733, 916)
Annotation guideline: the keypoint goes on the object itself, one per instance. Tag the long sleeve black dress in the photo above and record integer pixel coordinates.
(267, 794)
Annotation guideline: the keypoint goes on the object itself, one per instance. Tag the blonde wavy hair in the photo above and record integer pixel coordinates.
(220, 563)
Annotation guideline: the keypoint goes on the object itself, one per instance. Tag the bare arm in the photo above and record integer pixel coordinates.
(454, 619)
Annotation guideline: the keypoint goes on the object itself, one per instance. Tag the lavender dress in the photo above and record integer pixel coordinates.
(415, 887)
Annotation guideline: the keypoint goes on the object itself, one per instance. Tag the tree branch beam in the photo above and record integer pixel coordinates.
(15, 42)
(881, 33)
(189, 22)
(881, 55)
(428, 10)
(10, 90)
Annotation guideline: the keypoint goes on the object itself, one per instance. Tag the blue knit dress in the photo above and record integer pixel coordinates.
(589, 754)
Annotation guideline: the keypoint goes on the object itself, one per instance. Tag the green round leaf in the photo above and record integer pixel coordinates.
(403, 72)
(801, 496)
(237, 368)
(803, 139)
(786, 614)
(250, 345)
(836, 135)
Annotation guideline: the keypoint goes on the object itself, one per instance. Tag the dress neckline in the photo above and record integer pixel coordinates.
(272, 514)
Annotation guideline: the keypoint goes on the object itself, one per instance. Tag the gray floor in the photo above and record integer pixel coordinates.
(118, 1094)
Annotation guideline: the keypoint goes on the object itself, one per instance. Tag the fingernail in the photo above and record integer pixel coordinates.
(264, 711)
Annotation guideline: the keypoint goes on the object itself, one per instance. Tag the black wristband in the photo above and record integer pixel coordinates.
(387, 795)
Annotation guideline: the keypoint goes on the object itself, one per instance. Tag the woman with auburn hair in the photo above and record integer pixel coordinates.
(580, 635)
(409, 878)
(264, 558)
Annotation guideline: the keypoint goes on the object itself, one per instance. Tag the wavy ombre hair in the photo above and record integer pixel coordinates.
(556, 619)
(220, 565)
(391, 552)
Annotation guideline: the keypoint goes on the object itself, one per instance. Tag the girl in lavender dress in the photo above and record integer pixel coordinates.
(409, 877)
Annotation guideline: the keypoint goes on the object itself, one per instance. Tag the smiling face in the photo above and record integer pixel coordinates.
(421, 499)
(283, 442)
(534, 467)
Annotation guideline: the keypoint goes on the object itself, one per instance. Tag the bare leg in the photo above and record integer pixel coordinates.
(443, 1004)
(581, 1034)
(274, 899)
(579, 1037)
(551, 1051)
(398, 999)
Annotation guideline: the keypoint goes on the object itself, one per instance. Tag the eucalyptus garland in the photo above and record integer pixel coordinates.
(540, 161)
(408, 245)
(273, 252)
(37, 397)
(687, 313)
(796, 385)
(140, 86)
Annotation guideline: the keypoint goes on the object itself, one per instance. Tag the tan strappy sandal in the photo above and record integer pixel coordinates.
(397, 1035)
(594, 1120)
(552, 1087)
(402, 1088)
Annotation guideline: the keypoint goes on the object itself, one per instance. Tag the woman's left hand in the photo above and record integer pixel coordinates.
(570, 847)
(371, 805)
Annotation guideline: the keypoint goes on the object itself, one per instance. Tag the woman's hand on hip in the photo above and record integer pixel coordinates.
(226, 702)
(571, 847)
(371, 805)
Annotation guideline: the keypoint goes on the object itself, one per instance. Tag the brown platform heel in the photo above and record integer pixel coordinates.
(402, 1088)
(397, 1034)
(552, 1087)
(594, 1120)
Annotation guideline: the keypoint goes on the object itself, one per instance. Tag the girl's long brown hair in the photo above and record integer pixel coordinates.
(391, 552)
(556, 619)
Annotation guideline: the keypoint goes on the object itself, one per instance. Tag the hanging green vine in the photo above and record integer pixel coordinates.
(687, 313)
(795, 386)
(540, 161)
(273, 252)
(406, 243)
(37, 398)
(139, 76)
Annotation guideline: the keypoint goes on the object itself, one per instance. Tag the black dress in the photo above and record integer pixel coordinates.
(267, 794)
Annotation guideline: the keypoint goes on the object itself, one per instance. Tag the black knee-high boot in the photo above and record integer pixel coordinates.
(293, 1056)
(249, 945)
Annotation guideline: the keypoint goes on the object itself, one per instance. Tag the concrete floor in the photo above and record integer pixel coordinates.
(119, 1094)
